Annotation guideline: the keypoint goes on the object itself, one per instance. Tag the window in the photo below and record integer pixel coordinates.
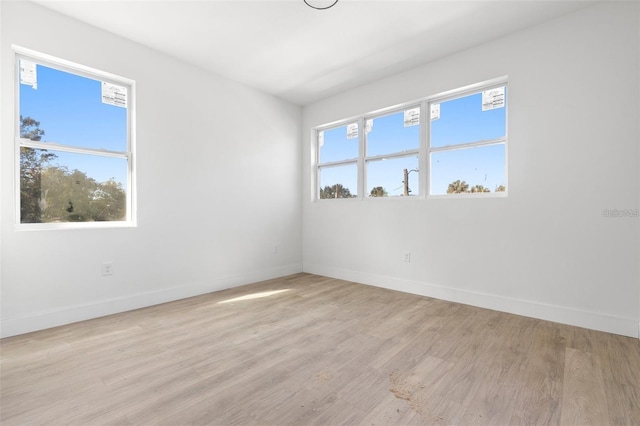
(338, 150)
(467, 143)
(73, 145)
(458, 140)
(392, 153)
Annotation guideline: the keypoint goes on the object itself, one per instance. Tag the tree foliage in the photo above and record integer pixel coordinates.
(72, 196)
(30, 129)
(32, 163)
(458, 187)
(335, 191)
(378, 191)
(53, 193)
(479, 188)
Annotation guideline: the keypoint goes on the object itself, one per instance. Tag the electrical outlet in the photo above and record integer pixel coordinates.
(276, 249)
(107, 268)
(407, 256)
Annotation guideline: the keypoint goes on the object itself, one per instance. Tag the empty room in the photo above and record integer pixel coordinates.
(319, 212)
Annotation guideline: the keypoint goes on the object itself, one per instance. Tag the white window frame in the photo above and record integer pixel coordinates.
(397, 154)
(345, 162)
(129, 154)
(457, 94)
(424, 151)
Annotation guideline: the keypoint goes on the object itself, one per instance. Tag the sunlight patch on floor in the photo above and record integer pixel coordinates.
(254, 296)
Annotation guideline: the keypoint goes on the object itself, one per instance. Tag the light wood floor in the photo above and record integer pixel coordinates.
(323, 352)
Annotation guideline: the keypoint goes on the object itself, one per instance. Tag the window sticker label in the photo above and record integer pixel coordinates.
(369, 126)
(435, 111)
(412, 117)
(112, 94)
(321, 138)
(352, 131)
(28, 73)
(493, 98)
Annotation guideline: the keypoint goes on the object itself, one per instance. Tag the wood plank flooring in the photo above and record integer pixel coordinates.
(324, 352)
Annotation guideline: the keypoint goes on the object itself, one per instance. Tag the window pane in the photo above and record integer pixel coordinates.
(70, 111)
(462, 120)
(66, 187)
(468, 170)
(390, 133)
(340, 143)
(386, 177)
(339, 181)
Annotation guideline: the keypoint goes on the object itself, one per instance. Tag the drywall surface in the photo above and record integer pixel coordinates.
(547, 250)
(218, 187)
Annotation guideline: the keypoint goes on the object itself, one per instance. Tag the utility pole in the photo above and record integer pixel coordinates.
(406, 182)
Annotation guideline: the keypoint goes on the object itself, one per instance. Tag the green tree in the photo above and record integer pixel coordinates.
(30, 129)
(109, 201)
(335, 191)
(51, 193)
(378, 191)
(67, 195)
(501, 188)
(458, 187)
(72, 196)
(479, 188)
(32, 163)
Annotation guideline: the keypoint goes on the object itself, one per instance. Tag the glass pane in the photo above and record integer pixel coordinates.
(480, 169)
(70, 111)
(462, 120)
(386, 177)
(66, 187)
(337, 144)
(390, 133)
(339, 181)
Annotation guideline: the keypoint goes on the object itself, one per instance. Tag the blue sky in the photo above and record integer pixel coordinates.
(461, 120)
(71, 112)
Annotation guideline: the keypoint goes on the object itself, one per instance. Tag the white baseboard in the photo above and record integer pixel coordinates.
(580, 318)
(592, 320)
(71, 314)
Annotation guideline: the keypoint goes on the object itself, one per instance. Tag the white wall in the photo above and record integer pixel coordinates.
(218, 186)
(546, 251)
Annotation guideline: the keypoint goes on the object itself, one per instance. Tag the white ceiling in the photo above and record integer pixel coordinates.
(300, 54)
